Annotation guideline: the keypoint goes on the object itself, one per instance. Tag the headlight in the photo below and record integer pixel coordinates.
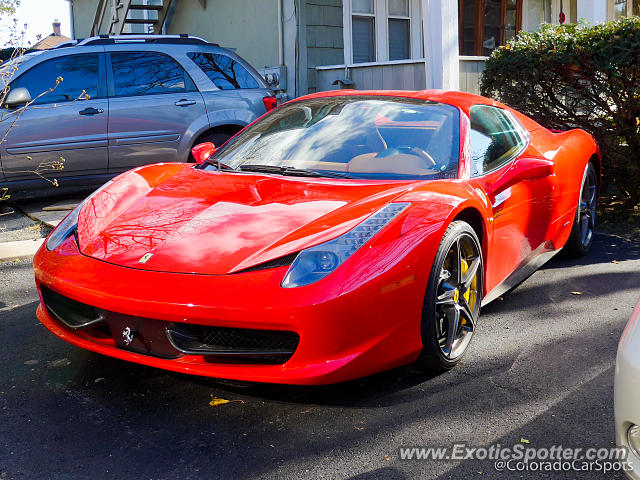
(317, 262)
(70, 223)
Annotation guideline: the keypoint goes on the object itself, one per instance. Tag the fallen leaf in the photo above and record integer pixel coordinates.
(386, 457)
(524, 440)
(615, 261)
(576, 293)
(215, 401)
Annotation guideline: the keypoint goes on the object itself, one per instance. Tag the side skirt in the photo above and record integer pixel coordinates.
(528, 267)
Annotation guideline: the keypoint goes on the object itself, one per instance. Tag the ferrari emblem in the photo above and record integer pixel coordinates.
(145, 258)
(127, 336)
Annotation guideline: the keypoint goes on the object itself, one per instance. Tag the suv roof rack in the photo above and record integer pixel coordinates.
(182, 38)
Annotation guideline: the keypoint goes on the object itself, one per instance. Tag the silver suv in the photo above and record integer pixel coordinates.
(124, 101)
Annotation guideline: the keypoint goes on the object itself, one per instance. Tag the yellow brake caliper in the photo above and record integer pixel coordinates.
(465, 267)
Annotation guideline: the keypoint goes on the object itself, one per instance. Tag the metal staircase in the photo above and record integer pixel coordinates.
(149, 13)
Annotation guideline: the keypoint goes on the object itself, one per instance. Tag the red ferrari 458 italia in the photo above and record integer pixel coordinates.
(341, 234)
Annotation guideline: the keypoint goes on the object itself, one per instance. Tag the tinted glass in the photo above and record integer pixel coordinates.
(363, 33)
(224, 71)
(495, 139)
(357, 136)
(79, 79)
(146, 73)
(398, 39)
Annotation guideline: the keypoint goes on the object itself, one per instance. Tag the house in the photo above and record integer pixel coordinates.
(315, 45)
(52, 40)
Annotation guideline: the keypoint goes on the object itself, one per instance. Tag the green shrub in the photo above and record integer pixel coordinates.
(578, 76)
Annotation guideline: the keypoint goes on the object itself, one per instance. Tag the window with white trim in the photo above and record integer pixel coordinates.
(363, 31)
(382, 30)
(399, 28)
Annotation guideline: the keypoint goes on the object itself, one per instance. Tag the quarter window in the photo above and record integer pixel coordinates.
(79, 79)
(495, 139)
(148, 73)
(225, 72)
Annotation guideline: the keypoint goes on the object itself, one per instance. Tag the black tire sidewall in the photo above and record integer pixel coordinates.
(431, 356)
(574, 246)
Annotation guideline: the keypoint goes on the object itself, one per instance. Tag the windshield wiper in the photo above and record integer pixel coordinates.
(292, 171)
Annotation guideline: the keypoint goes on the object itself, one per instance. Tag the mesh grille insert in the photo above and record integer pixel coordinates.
(268, 346)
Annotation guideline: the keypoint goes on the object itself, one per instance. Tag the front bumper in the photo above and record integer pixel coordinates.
(627, 389)
(346, 329)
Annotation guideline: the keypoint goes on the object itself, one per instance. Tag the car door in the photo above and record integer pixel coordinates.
(522, 212)
(152, 104)
(64, 132)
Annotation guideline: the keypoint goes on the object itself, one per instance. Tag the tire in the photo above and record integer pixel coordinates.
(217, 138)
(446, 311)
(581, 237)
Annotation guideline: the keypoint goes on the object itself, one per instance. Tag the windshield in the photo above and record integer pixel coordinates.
(353, 136)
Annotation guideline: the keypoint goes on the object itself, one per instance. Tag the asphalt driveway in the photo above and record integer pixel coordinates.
(540, 370)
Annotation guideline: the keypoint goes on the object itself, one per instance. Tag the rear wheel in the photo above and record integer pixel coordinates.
(452, 302)
(581, 237)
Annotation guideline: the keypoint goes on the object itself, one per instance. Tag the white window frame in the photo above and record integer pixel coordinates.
(400, 17)
(381, 22)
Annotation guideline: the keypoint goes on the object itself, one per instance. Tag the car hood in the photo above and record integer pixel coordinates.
(174, 218)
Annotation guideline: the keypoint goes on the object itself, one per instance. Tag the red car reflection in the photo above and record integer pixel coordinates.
(341, 234)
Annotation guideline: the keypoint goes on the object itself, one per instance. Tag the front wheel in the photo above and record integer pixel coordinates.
(452, 302)
(581, 237)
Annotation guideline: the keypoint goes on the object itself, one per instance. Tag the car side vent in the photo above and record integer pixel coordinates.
(275, 263)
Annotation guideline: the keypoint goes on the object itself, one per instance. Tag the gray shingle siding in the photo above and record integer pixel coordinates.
(323, 20)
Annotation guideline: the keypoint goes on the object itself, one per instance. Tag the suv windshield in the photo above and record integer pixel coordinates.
(353, 136)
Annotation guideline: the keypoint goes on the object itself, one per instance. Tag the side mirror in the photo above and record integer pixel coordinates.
(524, 169)
(202, 152)
(17, 97)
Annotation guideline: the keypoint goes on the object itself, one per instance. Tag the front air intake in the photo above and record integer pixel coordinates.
(234, 344)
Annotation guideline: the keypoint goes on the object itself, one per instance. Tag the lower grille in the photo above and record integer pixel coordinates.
(263, 346)
(73, 314)
(163, 339)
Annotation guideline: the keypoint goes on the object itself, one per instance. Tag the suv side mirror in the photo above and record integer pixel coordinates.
(17, 97)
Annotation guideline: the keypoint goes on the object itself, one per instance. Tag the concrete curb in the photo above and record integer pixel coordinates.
(19, 249)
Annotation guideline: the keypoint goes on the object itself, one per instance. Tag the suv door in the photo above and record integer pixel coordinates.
(153, 103)
(69, 122)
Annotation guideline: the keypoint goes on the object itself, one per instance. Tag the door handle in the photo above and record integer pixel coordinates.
(91, 111)
(184, 103)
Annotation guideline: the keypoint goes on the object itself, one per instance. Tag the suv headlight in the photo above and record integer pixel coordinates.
(69, 225)
(315, 263)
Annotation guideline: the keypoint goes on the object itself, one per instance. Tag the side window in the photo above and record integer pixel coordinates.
(148, 73)
(224, 71)
(494, 138)
(79, 79)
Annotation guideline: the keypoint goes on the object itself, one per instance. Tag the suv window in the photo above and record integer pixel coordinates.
(225, 72)
(495, 138)
(147, 73)
(79, 74)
